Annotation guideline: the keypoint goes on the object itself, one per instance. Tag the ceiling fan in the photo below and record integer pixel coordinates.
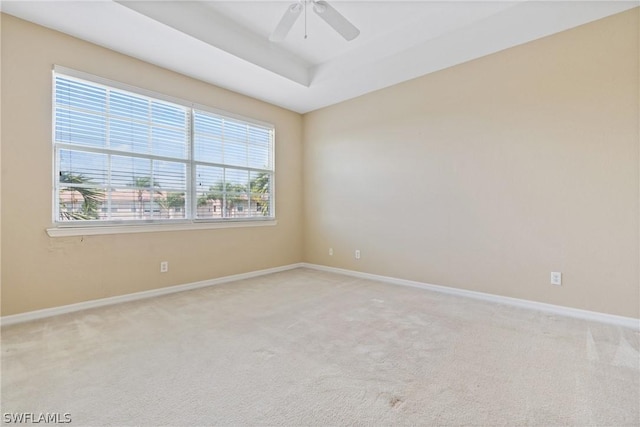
(324, 10)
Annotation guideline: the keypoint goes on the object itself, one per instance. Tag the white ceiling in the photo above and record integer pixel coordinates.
(226, 42)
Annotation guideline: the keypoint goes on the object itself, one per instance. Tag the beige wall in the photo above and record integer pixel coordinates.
(489, 175)
(39, 271)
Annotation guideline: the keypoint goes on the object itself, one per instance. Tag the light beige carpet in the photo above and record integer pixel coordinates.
(305, 347)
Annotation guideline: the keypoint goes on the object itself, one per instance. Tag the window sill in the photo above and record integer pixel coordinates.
(94, 230)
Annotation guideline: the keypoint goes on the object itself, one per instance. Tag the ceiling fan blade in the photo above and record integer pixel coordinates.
(335, 19)
(288, 19)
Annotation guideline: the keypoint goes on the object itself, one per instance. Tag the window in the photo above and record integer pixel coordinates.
(128, 156)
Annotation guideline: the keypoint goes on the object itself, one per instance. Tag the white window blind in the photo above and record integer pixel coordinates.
(123, 156)
(232, 167)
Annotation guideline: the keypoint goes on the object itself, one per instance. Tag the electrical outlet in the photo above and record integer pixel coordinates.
(164, 266)
(556, 278)
(357, 254)
(330, 251)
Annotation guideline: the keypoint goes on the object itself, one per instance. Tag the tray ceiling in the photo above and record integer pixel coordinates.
(226, 43)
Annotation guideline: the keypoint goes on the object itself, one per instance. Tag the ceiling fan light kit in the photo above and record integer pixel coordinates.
(321, 8)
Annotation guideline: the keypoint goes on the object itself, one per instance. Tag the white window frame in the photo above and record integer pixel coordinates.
(98, 227)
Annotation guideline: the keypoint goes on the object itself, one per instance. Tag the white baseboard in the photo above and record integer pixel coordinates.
(626, 322)
(48, 312)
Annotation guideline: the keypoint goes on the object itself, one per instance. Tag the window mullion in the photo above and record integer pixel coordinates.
(108, 144)
(152, 189)
(191, 202)
(108, 188)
